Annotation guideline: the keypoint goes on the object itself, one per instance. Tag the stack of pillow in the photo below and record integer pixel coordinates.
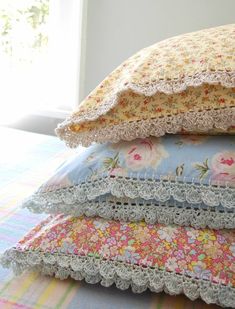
(152, 203)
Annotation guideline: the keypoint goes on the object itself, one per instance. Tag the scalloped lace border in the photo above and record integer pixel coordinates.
(151, 213)
(133, 188)
(198, 121)
(124, 275)
(224, 78)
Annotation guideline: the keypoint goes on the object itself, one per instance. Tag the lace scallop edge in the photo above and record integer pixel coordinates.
(149, 212)
(168, 86)
(195, 121)
(124, 275)
(134, 188)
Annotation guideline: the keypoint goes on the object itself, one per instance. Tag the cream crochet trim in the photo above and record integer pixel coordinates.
(133, 211)
(124, 275)
(191, 121)
(179, 190)
(195, 121)
(224, 78)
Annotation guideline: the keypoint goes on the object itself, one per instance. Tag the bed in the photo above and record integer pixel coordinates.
(26, 160)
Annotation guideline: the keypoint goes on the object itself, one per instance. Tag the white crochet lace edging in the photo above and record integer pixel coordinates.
(124, 275)
(149, 189)
(167, 86)
(151, 213)
(195, 121)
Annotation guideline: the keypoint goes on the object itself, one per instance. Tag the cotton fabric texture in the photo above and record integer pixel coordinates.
(185, 84)
(187, 180)
(198, 263)
(144, 208)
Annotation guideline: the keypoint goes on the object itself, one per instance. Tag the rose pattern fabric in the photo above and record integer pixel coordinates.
(142, 153)
(205, 254)
(223, 166)
(193, 158)
(188, 181)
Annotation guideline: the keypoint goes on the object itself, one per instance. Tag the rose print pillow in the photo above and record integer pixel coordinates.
(198, 263)
(182, 84)
(188, 180)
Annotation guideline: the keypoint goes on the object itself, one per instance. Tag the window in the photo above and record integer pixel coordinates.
(40, 49)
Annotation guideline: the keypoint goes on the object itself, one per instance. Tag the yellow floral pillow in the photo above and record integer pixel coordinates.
(183, 84)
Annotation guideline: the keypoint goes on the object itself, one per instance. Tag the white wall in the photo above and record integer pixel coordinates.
(115, 29)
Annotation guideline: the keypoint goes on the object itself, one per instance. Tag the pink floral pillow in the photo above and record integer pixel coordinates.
(198, 263)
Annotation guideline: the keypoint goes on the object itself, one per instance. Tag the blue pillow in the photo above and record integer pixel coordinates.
(187, 180)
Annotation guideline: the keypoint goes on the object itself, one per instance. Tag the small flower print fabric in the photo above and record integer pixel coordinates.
(182, 84)
(201, 255)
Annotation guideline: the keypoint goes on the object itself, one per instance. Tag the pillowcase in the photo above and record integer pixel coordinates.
(188, 180)
(182, 84)
(198, 263)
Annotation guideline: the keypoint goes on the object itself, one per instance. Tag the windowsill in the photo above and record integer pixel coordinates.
(52, 113)
(44, 123)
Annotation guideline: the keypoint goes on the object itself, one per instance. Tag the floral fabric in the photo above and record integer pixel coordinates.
(159, 105)
(203, 254)
(187, 73)
(186, 180)
(197, 159)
